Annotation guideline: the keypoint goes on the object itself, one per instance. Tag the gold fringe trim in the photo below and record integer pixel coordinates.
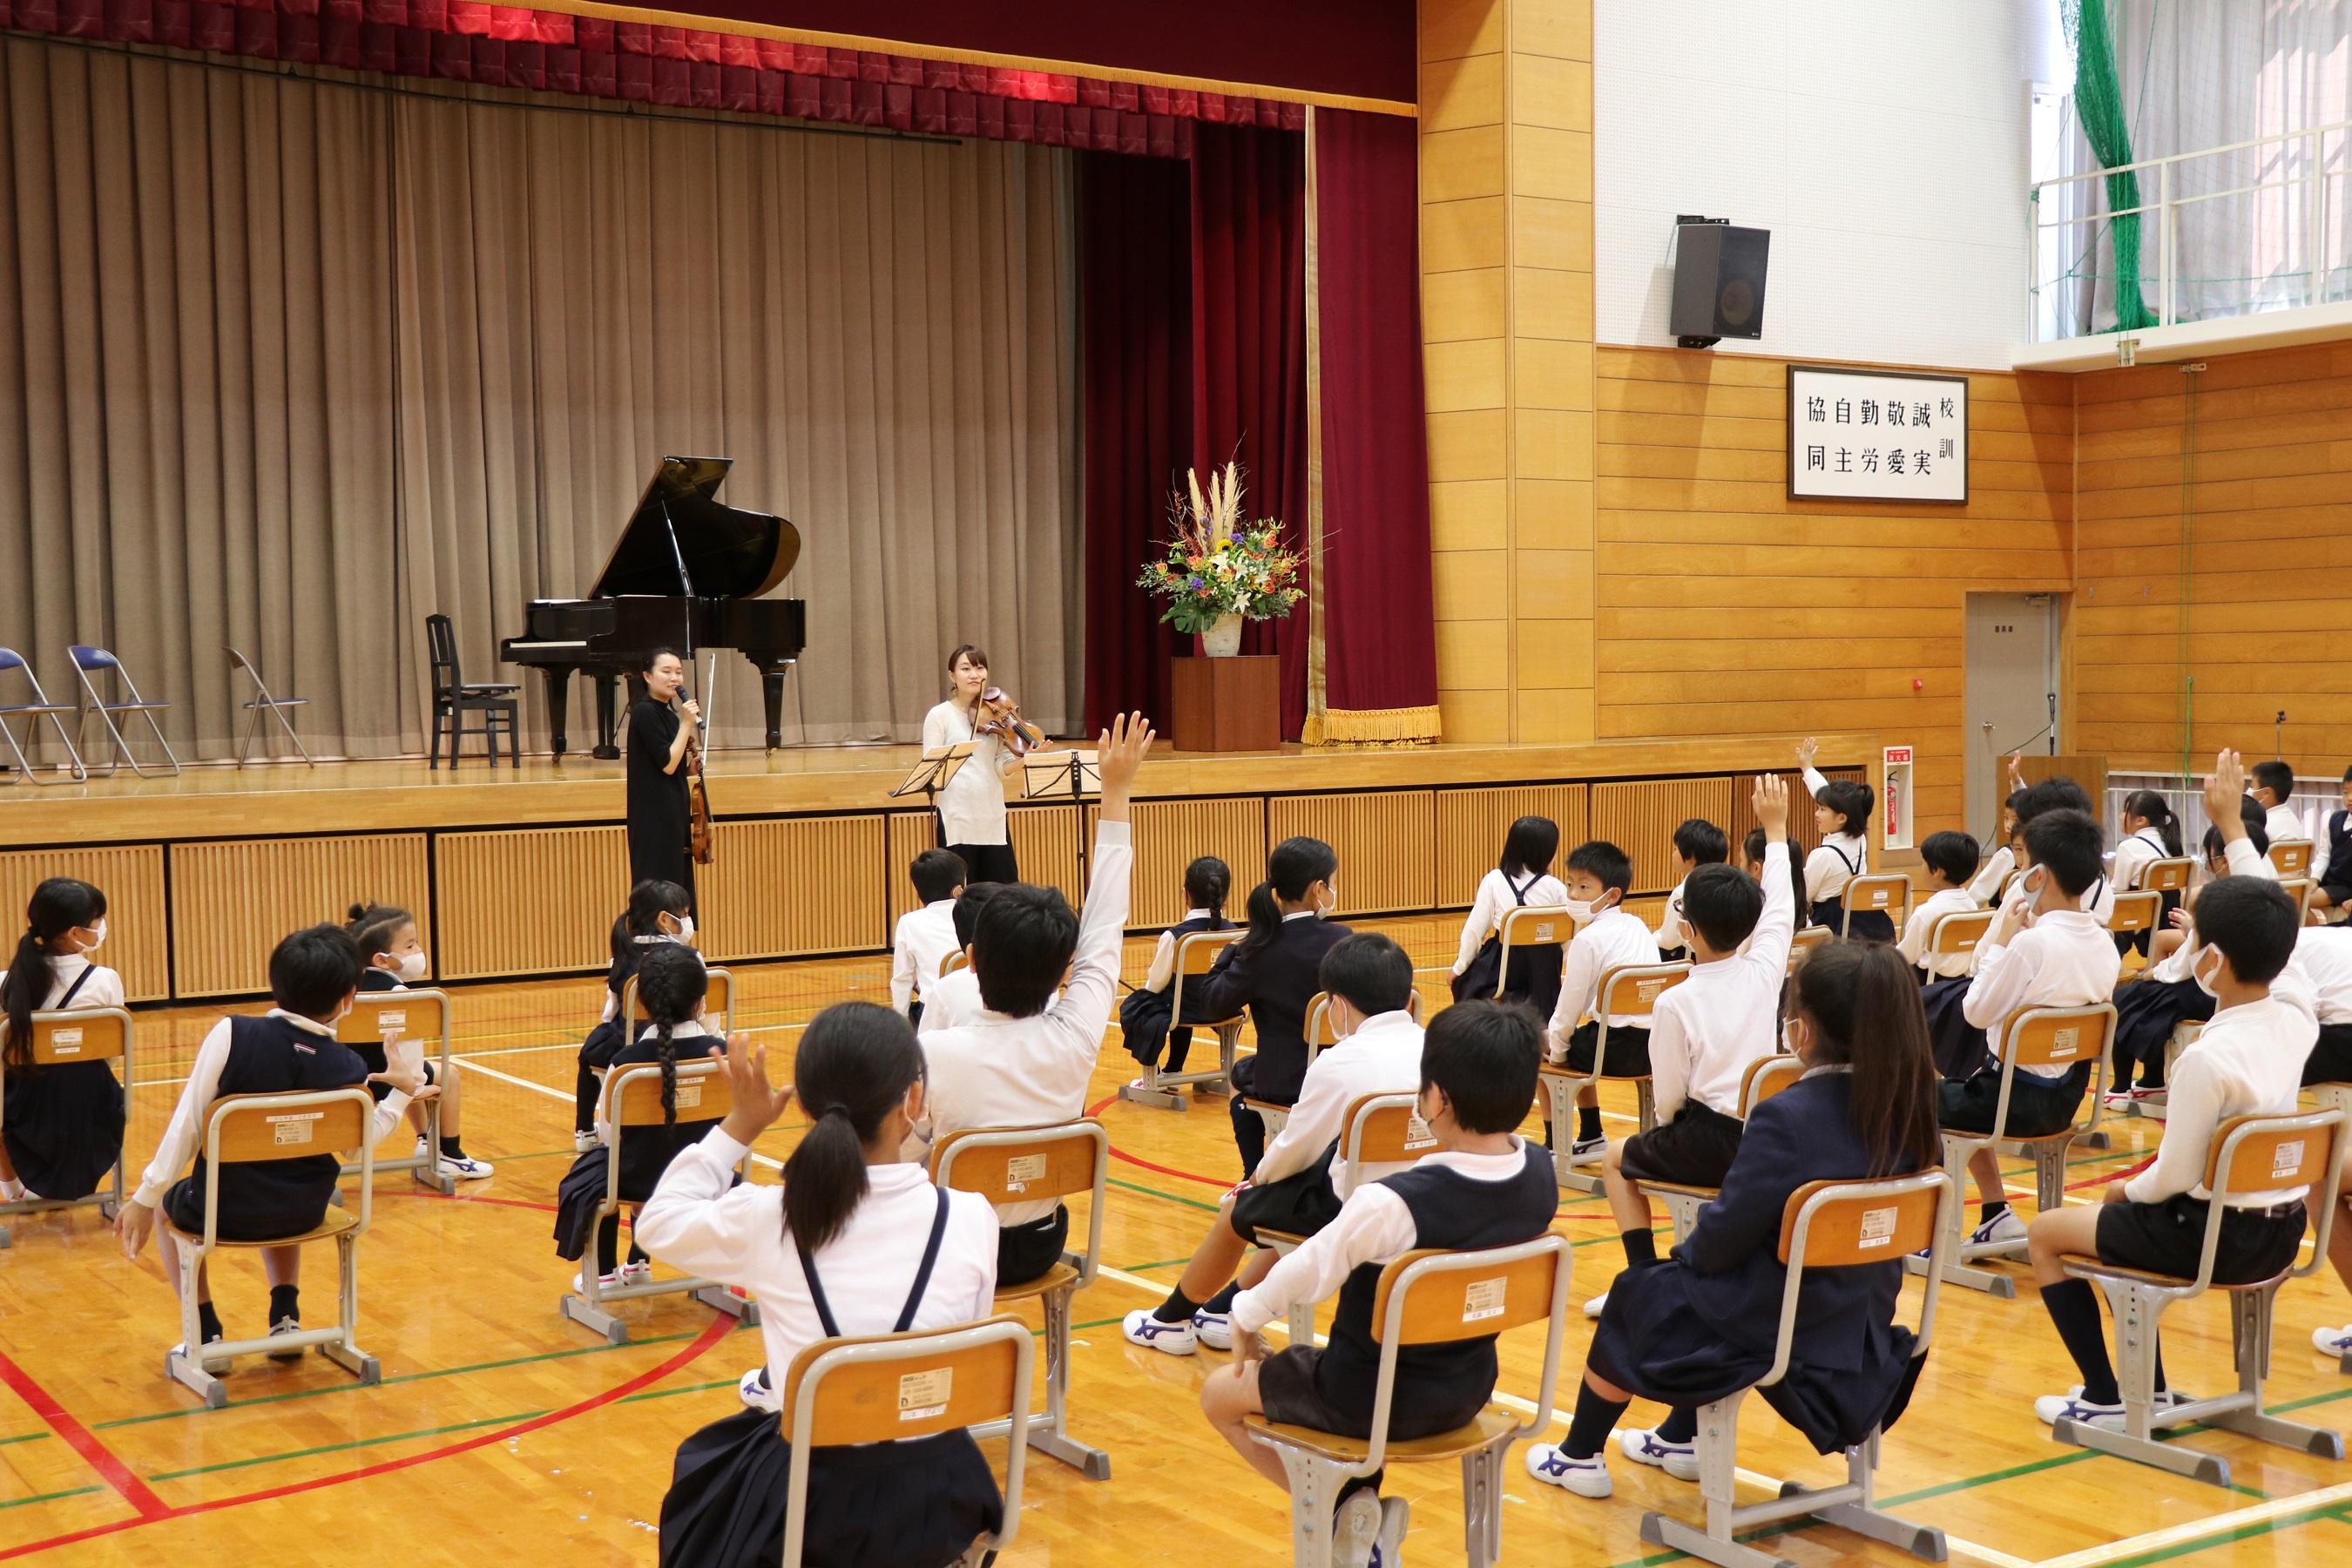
(1372, 727)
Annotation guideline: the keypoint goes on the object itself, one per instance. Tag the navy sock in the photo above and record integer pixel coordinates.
(450, 1148)
(2074, 1310)
(208, 1324)
(1640, 1248)
(1587, 1431)
(1223, 1302)
(1178, 1308)
(1588, 1123)
(1987, 1213)
(285, 1301)
(1681, 1425)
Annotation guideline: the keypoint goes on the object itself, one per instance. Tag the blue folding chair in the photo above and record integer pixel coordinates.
(38, 708)
(89, 660)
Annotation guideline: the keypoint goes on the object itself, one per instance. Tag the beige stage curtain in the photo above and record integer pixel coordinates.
(296, 361)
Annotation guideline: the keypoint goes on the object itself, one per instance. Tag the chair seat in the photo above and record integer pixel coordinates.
(129, 707)
(1236, 1021)
(1561, 1069)
(1269, 1236)
(1045, 1284)
(38, 708)
(337, 1222)
(2086, 1268)
(1266, 1105)
(1682, 1189)
(1492, 1423)
(278, 702)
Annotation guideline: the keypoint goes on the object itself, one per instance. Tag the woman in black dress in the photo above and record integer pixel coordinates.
(660, 822)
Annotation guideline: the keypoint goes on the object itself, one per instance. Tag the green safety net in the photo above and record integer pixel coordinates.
(2099, 108)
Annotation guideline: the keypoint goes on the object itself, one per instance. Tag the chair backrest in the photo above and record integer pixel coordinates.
(1631, 990)
(703, 1094)
(87, 659)
(2265, 1153)
(953, 961)
(254, 1128)
(1429, 1296)
(1804, 941)
(2166, 876)
(2136, 911)
(2001, 891)
(1196, 954)
(88, 1035)
(907, 1385)
(2299, 889)
(1538, 925)
(2292, 857)
(2059, 1036)
(244, 664)
(719, 1000)
(378, 1015)
(1024, 1165)
(11, 659)
(1384, 1130)
(441, 648)
(1766, 1077)
(1884, 891)
(1837, 1225)
(1959, 931)
(1321, 1033)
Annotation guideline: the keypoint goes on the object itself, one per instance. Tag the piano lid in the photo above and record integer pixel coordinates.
(729, 552)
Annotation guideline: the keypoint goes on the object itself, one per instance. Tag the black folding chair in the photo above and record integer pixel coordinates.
(453, 699)
(89, 661)
(38, 708)
(264, 702)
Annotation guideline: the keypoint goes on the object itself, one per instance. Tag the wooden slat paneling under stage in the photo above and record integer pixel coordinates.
(520, 871)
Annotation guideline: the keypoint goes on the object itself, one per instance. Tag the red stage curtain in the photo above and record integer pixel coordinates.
(1249, 348)
(1135, 299)
(1380, 651)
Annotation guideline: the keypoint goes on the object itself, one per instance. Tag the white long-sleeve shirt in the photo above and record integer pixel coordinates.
(184, 1138)
(2323, 957)
(2134, 855)
(2242, 859)
(1987, 883)
(1497, 898)
(2248, 1061)
(1673, 931)
(697, 1222)
(2098, 900)
(998, 1072)
(952, 1001)
(2065, 959)
(1372, 1227)
(102, 989)
(1839, 858)
(1382, 1057)
(923, 940)
(971, 808)
(1163, 955)
(1610, 939)
(1707, 1030)
(2282, 821)
(1917, 931)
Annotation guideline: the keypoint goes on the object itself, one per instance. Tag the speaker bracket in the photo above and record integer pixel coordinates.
(1696, 342)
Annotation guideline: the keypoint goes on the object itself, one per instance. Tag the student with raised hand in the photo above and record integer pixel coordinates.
(1702, 1323)
(1521, 879)
(1026, 1059)
(660, 914)
(1300, 1183)
(855, 1241)
(2246, 1061)
(953, 999)
(1608, 936)
(63, 1122)
(1144, 1021)
(1842, 814)
(387, 935)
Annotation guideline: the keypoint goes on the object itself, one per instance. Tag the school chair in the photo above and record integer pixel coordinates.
(632, 1098)
(2299, 889)
(2184, 1034)
(2291, 857)
(1764, 1078)
(881, 1387)
(39, 708)
(2335, 1097)
(1029, 1165)
(243, 1129)
(2249, 1154)
(84, 1035)
(2135, 913)
(379, 1017)
(1196, 954)
(1377, 1129)
(1959, 931)
(2035, 1036)
(953, 961)
(2002, 890)
(1538, 925)
(1826, 1224)
(88, 660)
(719, 999)
(454, 697)
(265, 703)
(1630, 990)
(2167, 875)
(1803, 942)
(1432, 1297)
(1320, 1035)
(1884, 892)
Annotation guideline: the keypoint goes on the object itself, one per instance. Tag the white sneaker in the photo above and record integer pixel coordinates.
(2004, 1226)
(1175, 1339)
(461, 1167)
(1215, 1329)
(603, 1282)
(1592, 1308)
(13, 1192)
(2051, 1408)
(758, 1392)
(289, 1324)
(1585, 1478)
(1586, 1151)
(636, 1273)
(1356, 1530)
(213, 1364)
(2333, 1341)
(2121, 1099)
(1645, 1447)
(583, 1141)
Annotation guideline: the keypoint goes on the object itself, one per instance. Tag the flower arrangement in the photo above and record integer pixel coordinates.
(1219, 569)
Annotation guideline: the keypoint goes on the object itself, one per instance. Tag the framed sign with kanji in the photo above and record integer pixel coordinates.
(1874, 435)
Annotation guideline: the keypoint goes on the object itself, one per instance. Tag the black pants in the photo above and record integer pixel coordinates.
(2331, 1055)
(987, 862)
(1249, 1132)
(1024, 1252)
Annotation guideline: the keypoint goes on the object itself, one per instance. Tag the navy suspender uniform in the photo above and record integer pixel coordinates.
(1868, 925)
(64, 1122)
(263, 1200)
(1533, 976)
(1143, 1016)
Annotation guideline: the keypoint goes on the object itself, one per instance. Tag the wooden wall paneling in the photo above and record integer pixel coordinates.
(527, 900)
(233, 900)
(1387, 844)
(1044, 841)
(1169, 835)
(1471, 824)
(910, 833)
(789, 886)
(138, 932)
(1641, 817)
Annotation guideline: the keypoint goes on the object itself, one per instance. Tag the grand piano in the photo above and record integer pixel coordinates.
(687, 574)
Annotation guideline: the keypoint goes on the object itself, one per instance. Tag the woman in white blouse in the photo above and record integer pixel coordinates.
(64, 1122)
(971, 808)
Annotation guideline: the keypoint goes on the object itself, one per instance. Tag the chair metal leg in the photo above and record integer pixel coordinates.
(155, 725)
(1958, 1249)
(1719, 1427)
(1314, 1484)
(1482, 1506)
(1051, 1435)
(1165, 1090)
(1862, 1515)
(345, 1352)
(2252, 1314)
(2135, 1308)
(186, 1365)
(1683, 1208)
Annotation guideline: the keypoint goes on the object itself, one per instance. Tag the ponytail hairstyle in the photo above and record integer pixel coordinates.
(1528, 847)
(856, 1060)
(1296, 865)
(671, 984)
(1865, 1013)
(2151, 807)
(57, 906)
(1208, 882)
(374, 926)
(648, 902)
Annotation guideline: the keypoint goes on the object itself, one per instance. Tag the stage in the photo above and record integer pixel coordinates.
(519, 871)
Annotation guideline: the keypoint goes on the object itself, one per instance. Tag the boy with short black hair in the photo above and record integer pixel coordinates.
(313, 976)
(925, 936)
(1697, 842)
(2274, 786)
(954, 997)
(1607, 937)
(1483, 1187)
(1951, 862)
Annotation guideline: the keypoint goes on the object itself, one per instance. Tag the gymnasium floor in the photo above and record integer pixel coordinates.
(504, 1435)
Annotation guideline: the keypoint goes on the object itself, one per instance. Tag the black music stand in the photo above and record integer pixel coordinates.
(1065, 775)
(931, 774)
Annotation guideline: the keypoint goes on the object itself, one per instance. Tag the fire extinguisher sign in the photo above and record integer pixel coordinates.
(1895, 820)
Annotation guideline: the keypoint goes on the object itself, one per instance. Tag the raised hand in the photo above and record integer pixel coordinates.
(1122, 749)
(1771, 803)
(1807, 750)
(2016, 772)
(2223, 792)
(757, 1102)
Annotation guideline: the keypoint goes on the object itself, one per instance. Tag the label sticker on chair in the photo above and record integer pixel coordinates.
(65, 1043)
(1485, 1298)
(1877, 1227)
(1646, 991)
(1881, 897)
(1543, 932)
(2065, 1042)
(924, 1395)
(389, 1023)
(2286, 1159)
(1022, 1169)
(688, 1094)
(1417, 1134)
(295, 1127)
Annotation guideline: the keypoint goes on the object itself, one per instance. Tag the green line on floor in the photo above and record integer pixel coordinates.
(340, 1448)
(50, 1497)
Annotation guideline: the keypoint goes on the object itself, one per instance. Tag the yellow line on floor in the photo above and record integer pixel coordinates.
(2197, 1530)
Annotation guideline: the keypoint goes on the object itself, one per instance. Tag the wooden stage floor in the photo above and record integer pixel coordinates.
(503, 1435)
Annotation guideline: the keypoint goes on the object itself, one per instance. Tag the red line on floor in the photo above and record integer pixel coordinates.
(94, 1454)
(1219, 1182)
(470, 1198)
(2111, 1176)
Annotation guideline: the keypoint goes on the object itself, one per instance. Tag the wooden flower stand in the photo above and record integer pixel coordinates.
(1229, 704)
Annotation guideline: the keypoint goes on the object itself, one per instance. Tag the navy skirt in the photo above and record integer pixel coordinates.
(1959, 1045)
(1533, 977)
(918, 1504)
(64, 1127)
(1869, 925)
(1654, 1346)
(2146, 1013)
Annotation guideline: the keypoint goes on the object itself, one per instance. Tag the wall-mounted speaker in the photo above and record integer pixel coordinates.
(1719, 282)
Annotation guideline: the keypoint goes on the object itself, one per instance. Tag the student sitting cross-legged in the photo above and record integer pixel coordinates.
(1701, 1324)
(1485, 1187)
(1707, 1031)
(953, 999)
(292, 1049)
(1298, 1186)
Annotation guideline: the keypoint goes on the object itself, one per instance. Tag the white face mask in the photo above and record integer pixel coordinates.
(1585, 908)
(684, 932)
(97, 936)
(2196, 972)
(412, 967)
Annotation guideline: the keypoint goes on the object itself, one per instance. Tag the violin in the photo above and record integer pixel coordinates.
(1000, 716)
(697, 801)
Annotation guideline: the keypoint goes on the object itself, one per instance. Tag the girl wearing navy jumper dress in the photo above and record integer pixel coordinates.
(2151, 832)
(1143, 1015)
(1521, 879)
(1841, 815)
(660, 914)
(63, 1122)
(856, 1241)
(387, 941)
(1702, 1324)
(671, 985)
